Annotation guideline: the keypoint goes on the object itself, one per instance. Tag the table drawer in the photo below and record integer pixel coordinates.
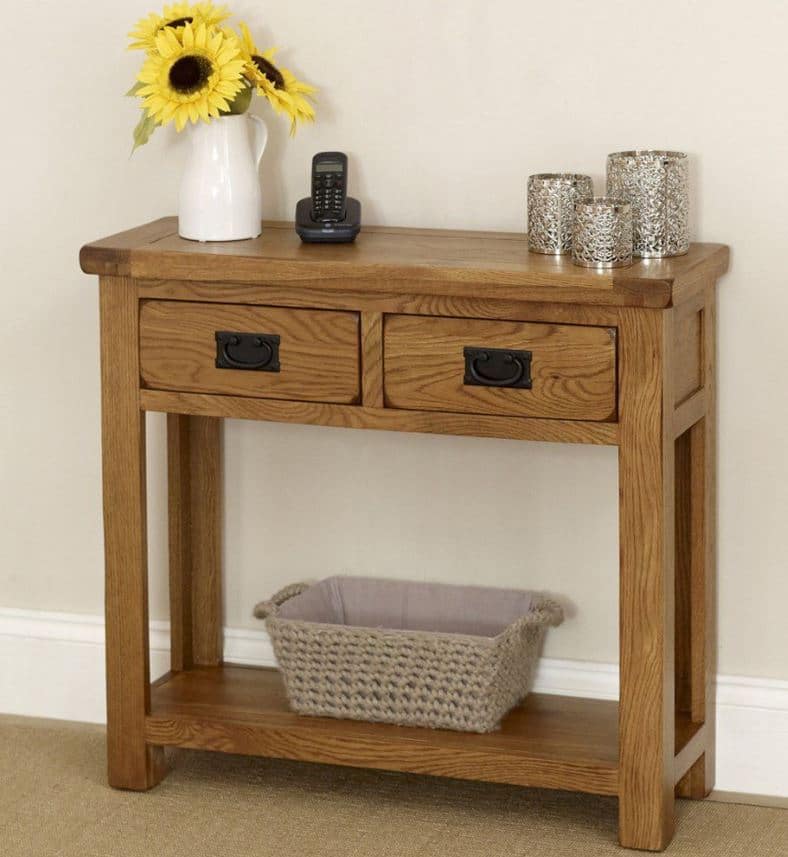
(499, 367)
(266, 352)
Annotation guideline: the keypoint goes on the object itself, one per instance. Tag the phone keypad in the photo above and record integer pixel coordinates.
(328, 194)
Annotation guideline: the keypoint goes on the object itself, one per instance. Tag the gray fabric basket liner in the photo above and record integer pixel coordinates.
(398, 605)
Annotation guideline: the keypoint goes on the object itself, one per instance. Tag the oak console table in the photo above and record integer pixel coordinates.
(417, 331)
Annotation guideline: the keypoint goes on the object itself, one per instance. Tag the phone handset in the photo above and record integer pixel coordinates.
(329, 187)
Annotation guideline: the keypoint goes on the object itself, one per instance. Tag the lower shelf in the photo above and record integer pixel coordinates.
(558, 742)
(550, 741)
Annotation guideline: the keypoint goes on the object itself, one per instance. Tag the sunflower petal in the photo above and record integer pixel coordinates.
(173, 44)
(200, 36)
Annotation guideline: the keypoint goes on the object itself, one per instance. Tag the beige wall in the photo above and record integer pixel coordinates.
(444, 109)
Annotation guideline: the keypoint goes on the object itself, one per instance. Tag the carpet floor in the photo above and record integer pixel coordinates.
(54, 802)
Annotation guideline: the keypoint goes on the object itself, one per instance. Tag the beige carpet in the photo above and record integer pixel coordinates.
(54, 801)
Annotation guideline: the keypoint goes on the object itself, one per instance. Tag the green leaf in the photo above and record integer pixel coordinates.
(142, 133)
(138, 84)
(241, 102)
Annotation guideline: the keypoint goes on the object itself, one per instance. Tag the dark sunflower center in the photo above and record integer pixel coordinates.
(190, 73)
(270, 71)
(179, 22)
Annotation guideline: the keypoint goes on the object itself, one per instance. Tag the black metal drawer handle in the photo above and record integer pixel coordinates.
(258, 352)
(497, 367)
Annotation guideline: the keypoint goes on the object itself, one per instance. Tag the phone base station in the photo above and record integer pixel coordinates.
(328, 232)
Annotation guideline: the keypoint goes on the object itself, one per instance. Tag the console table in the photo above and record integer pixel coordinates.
(418, 331)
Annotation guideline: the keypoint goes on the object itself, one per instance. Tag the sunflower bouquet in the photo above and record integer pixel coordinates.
(197, 68)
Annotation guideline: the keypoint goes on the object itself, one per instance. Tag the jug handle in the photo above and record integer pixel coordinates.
(260, 130)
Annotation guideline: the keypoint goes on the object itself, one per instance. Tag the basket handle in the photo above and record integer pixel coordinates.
(271, 607)
(544, 612)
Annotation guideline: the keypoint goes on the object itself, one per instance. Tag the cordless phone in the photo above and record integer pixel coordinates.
(329, 216)
(329, 187)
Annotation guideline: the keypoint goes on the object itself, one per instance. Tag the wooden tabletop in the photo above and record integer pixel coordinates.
(395, 261)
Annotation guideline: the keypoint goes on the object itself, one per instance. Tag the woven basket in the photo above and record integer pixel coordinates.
(415, 654)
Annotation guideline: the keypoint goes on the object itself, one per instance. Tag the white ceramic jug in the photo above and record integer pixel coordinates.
(220, 197)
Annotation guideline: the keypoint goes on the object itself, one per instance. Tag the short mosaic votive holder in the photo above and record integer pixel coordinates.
(551, 210)
(656, 183)
(602, 235)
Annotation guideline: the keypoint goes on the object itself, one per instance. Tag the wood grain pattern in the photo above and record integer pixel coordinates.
(573, 368)
(206, 538)
(378, 301)
(372, 359)
(131, 763)
(194, 449)
(689, 412)
(683, 572)
(318, 352)
(351, 416)
(692, 618)
(179, 525)
(691, 288)
(395, 260)
(692, 748)
(550, 741)
(697, 483)
(688, 353)
(646, 589)
(111, 256)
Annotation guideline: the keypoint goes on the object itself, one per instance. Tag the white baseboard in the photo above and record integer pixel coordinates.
(52, 665)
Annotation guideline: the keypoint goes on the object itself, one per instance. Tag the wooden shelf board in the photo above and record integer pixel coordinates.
(550, 741)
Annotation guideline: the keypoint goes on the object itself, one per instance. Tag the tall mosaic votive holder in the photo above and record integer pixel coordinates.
(657, 185)
(551, 210)
(602, 235)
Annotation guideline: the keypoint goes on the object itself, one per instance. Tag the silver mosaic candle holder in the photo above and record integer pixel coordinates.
(551, 210)
(656, 183)
(602, 235)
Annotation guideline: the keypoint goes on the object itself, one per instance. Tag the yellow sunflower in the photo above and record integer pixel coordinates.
(283, 90)
(175, 16)
(195, 73)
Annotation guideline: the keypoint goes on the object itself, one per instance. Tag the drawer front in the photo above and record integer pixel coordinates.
(265, 352)
(499, 367)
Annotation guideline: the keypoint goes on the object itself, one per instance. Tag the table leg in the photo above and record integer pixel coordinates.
(132, 764)
(646, 594)
(696, 560)
(194, 464)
